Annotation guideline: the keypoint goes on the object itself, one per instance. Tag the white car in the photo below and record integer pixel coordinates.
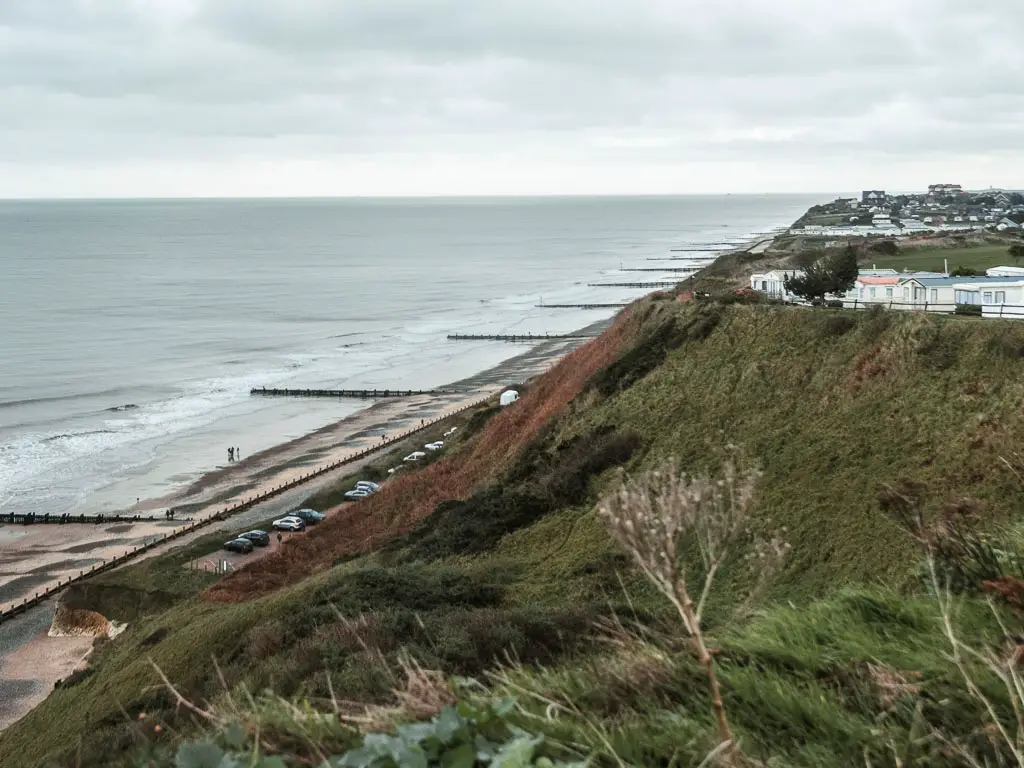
(436, 446)
(414, 456)
(289, 524)
(394, 469)
(358, 493)
(451, 431)
(371, 487)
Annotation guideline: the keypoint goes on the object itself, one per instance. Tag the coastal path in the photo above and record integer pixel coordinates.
(270, 502)
(519, 337)
(362, 394)
(655, 284)
(581, 306)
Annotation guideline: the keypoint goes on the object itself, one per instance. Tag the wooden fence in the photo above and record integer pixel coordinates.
(62, 584)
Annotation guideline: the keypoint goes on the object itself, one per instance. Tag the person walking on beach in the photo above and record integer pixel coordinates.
(238, 454)
(231, 454)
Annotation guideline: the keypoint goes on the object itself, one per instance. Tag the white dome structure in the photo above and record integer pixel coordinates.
(508, 397)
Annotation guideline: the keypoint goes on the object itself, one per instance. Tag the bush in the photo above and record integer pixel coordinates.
(538, 484)
(834, 304)
(643, 358)
(973, 310)
(479, 419)
(961, 271)
(885, 247)
(837, 325)
(742, 296)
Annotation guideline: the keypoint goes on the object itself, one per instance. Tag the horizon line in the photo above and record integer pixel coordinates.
(512, 195)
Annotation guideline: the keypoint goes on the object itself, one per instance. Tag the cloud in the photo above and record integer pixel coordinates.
(345, 94)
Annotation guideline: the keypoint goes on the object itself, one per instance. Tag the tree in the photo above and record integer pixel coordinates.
(835, 275)
(887, 247)
(961, 271)
(1016, 252)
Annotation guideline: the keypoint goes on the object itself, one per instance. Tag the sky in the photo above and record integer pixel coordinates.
(204, 98)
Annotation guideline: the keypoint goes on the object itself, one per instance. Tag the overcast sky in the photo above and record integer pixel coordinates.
(371, 97)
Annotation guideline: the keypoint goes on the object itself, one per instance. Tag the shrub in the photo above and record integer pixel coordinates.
(973, 310)
(478, 523)
(886, 247)
(479, 419)
(961, 271)
(834, 304)
(646, 355)
(837, 325)
(76, 677)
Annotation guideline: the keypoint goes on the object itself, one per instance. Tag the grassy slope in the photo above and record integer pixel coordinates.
(979, 257)
(830, 404)
(833, 405)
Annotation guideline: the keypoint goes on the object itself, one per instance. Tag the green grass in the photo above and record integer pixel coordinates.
(831, 411)
(800, 687)
(979, 257)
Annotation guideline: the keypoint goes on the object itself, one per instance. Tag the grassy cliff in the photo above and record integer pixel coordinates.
(491, 565)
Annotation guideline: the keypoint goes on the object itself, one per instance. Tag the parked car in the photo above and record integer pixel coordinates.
(357, 493)
(371, 487)
(289, 524)
(399, 468)
(243, 546)
(309, 516)
(451, 432)
(259, 538)
(435, 446)
(414, 456)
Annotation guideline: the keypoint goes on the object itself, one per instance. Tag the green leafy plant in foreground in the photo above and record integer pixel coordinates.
(460, 736)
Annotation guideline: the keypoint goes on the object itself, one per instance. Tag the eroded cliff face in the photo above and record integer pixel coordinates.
(81, 622)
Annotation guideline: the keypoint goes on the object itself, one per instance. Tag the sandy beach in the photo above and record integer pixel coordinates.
(35, 557)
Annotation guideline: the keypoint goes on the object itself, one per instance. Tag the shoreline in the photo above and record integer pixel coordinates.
(31, 661)
(34, 558)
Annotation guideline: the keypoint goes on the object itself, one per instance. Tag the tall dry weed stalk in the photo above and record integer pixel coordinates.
(1005, 732)
(652, 516)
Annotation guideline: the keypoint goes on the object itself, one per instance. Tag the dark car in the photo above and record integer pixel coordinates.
(309, 516)
(244, 546)
(259, 538)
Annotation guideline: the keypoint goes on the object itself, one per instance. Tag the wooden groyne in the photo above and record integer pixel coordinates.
(660, 269)
(656, 284)
(363, 394)
(33, 518)
(581, 306)
(518, 337)
(224, 513)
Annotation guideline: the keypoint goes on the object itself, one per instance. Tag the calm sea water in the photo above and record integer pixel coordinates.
(177, 308)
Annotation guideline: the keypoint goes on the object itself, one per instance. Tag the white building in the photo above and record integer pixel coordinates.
(772, 283)
(944, 293)
(873, 289)
(1005, 272)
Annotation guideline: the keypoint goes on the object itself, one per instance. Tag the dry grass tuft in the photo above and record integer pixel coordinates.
(653, 515)
(890, 685)
(425, 693)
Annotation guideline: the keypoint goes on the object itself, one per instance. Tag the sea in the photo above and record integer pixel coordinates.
(131, 331)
